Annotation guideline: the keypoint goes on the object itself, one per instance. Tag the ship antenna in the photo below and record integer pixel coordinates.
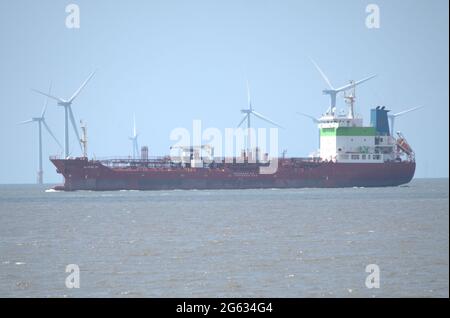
(84, 140)
(350, 99)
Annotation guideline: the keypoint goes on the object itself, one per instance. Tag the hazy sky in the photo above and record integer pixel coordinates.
(174, 61)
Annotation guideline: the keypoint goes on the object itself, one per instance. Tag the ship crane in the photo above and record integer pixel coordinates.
(194, 153)
(208, 148)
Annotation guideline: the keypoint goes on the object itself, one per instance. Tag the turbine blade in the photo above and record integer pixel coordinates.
(51, 134)
(242, 121)
(74, 125)
(81, 87)
(25, 122)
(406, 111)
(134, 126)
(44, 109)
(48, 95)
(314, 119)
(249, 99)
(351, 85)
(322, 74)
(265, 119)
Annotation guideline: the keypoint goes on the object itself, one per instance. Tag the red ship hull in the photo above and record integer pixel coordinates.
(84, 174)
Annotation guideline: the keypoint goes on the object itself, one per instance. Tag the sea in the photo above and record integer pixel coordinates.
(351, 242)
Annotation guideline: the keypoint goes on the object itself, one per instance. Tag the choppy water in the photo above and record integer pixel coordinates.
(243, 243)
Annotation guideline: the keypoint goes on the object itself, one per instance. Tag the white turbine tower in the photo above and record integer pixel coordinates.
(247, 117)
(67, 104)
(332, 91)
(393, 116)
(134, 139)
(41, 121)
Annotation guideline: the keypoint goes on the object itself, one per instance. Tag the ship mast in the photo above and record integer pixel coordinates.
(350, 99)
(84, 140)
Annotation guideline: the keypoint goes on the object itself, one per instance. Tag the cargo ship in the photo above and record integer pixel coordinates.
(349, 155)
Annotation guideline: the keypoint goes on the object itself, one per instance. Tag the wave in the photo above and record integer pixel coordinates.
(52, 190)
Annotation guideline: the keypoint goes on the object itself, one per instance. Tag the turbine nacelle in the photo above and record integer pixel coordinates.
(64, 103)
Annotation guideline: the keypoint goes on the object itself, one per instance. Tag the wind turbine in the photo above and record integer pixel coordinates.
(41, 121)
(134, 139)
(247, 117)
(67, 104)
(332, 91)
(393, 116)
